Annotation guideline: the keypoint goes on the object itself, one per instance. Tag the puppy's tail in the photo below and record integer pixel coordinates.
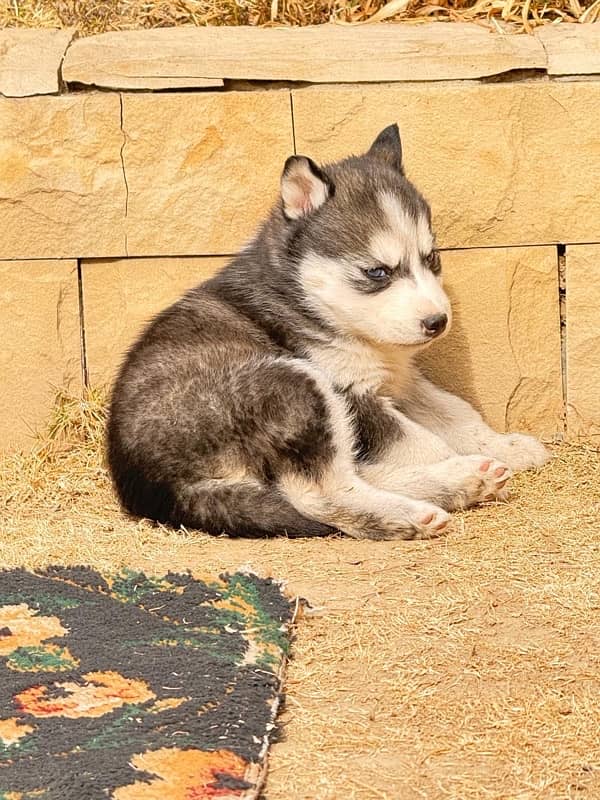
(242, 509)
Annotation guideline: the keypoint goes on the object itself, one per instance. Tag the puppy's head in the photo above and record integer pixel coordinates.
(359, 237)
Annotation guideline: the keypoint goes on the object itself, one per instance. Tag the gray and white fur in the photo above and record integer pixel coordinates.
(281, 396)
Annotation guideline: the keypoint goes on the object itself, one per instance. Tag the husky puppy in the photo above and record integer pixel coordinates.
(281, 396)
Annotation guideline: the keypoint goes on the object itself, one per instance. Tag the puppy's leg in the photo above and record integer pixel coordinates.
(331, 491)
(456, 483)
(342, 500)
(464, 430)
(399, 455)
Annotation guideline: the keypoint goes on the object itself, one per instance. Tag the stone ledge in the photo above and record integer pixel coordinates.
(317, 54)
(30, 61)
(571, 49)
(151, 59)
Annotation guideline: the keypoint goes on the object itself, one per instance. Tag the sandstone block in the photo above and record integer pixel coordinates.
(186, 56)
(583, 340)
(150, 59)
(30, 60)
(572, 49)
(498, 162)
(62, 191)
(121, 296)
(503, 352)
(40, 353)
(202, 169)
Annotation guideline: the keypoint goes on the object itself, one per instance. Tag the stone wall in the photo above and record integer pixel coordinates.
(133, 164)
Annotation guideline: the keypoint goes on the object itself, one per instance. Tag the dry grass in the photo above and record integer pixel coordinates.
(467, 668)
(96, 16)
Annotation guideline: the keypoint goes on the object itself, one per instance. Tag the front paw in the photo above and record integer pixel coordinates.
(470, 480)
(520, 452)
(492, 477)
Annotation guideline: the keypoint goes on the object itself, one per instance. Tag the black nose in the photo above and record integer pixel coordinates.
(435, 324)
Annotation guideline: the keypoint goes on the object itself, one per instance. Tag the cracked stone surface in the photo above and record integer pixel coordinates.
(571, 49)
(202, 169)
(509, 163)
(168, 58)
(30, 60)
(583, 340)
(40, 343)
(503, 352)
(62, 192)
(120, 296)
(188, 56)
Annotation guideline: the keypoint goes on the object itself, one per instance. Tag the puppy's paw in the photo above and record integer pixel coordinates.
(493, 477)
(401, 518)
(475, 479)
(518, 451)
(430, 522)
(411, 519)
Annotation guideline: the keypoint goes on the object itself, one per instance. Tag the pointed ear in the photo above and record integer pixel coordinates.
(304, 187)
(388, 147)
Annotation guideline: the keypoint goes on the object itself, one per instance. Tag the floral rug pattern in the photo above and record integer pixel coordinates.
(131, 687)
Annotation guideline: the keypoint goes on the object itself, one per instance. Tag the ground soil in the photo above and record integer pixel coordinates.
(467, 667)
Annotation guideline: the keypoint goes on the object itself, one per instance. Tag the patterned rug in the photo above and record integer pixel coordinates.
(131, 687)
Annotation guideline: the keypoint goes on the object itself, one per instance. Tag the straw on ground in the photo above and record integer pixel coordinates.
(97, 16)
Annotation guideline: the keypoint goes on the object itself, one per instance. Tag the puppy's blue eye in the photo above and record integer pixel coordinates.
(377, 273)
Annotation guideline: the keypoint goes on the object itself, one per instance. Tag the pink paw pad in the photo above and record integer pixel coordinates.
(431, 518)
